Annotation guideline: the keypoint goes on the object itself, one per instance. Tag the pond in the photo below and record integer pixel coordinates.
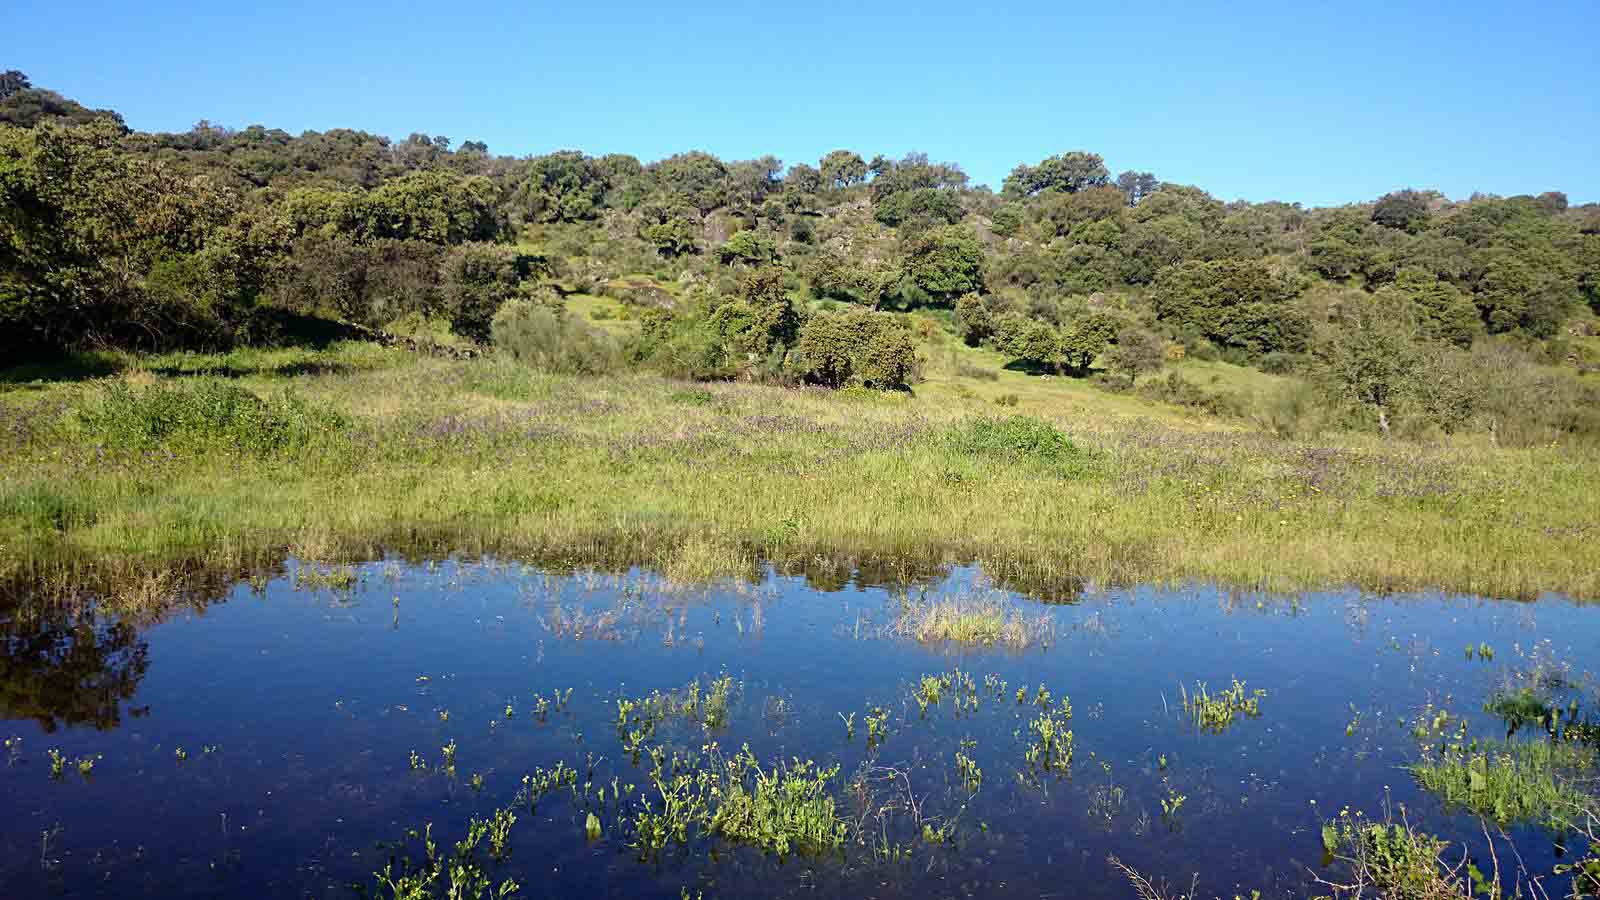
(283, 740)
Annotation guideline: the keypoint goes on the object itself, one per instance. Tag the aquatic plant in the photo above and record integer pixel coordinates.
(58, 763)
(1511, 781)
(1392, 859)
(461, 876)
(1213, 713)
(541, 781)
(967, 769)
(1051, 745)
(877, 728)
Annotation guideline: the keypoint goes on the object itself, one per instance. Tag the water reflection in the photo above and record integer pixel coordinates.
(277, 739)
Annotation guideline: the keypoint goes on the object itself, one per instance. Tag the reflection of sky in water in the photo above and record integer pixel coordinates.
(314, 700)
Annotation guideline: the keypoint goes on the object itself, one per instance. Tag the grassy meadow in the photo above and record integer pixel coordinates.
(399, 452)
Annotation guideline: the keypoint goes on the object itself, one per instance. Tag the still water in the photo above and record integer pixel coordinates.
(261, 745)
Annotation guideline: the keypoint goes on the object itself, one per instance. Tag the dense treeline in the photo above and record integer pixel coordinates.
(210, 237)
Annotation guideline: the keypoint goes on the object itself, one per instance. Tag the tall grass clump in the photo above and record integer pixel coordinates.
(547, 338)
(1512, 782)
(1016, 438)
(203, 414)
(971, 620)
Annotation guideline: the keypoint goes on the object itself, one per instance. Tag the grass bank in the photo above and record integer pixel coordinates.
(357, 450)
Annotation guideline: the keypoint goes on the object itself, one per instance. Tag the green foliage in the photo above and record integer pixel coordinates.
(974, 319)
(1136, 353)
(1068, 172)
(1234, 303)
(202, 414)
(432, 205)
(477, 280)
(1397, 861)
(102, 247)
(1512, 782)
(1406, 210)
(459, 877)
(1007, 220)
(545, 337)
(748, 247)
(945, 263)
(923, 206)
(1214, 713)
(565, 186)
(1084, 339)
(837, 348)
(1015, 437)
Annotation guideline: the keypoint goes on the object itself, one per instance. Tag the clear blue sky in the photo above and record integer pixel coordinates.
(1332, 105)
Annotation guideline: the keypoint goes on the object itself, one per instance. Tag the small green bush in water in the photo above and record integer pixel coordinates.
(206, 413)
(1021, 437)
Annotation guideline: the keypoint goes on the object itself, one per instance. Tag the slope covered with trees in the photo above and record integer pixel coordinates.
(1412, 313)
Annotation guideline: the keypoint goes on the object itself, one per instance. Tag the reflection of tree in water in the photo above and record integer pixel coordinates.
(69, 670)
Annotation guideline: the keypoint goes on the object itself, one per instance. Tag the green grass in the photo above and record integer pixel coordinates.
(431, 456)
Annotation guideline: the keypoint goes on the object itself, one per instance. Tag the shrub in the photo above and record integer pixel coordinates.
(477, 279)
(836, 348)
(546, 338)
(206, 413)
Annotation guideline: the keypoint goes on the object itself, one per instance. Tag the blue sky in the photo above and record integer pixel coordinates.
(1319, 106)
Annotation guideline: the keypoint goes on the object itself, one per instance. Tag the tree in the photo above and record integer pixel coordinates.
(1137, 352)
(842, 168)
(836, 348)
(1366, 358)
(945, 263)
(974, 319)
(1235, 303)
(923, 206)
(1444, 312)
(696, 177)
(1406, 210)
(1335, 259)
(565, 186)
(1067, 172)
(749, 247)
(12, 81)
(762, 319)
(1136, 186)
(1084, 339)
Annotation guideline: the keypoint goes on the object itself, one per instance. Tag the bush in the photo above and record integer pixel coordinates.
(546, 338)
(206, 413)
(477, 279)
(836, 348)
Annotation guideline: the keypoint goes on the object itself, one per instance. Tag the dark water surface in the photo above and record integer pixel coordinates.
(297, 710)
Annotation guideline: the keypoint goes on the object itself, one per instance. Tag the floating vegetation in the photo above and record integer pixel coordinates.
(975, 620)
(1213, 713)
(1511, 782)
